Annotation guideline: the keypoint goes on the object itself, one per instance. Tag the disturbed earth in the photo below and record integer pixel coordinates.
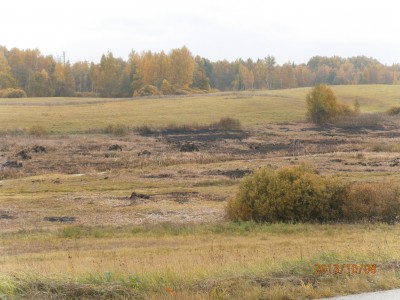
(169, 176)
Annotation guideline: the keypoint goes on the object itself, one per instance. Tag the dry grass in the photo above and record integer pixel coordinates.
(76, 115)
(177, 244)
(204, 259)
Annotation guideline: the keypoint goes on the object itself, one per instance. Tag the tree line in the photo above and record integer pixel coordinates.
(177, 72)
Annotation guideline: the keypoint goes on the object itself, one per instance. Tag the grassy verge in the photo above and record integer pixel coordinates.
(203, 261)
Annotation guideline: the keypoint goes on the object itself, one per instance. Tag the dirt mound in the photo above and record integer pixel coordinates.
(145, 153)
(12, 164)
(115, 147)
(162, 175)
(24, 155)
(60, 219)
(395, 162)
(38, 149)
(135, 196)
(6, 216)
(189, 147)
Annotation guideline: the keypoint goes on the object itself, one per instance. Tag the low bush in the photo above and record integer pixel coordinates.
(37, 130)
(385, 147)
(372, 201)
(297, 194)
(12, 93)
(116, 129)
(366, 120)
(148, 90)
(226, 123)
(394, 111)
(290, 194)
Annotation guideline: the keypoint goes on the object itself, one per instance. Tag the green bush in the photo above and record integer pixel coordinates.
(322, 106)
(290, 194)
(12, 93)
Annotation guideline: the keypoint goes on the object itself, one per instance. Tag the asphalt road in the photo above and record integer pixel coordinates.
(384, 295)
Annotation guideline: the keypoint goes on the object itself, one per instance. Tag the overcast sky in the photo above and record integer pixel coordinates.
(215, 29)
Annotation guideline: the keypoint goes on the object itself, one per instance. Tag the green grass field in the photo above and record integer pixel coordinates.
(75, 115)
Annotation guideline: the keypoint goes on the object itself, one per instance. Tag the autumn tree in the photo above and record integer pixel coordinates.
(64, 81)
(82, 78)
(107, 75)
(224, 73)
(6, 78)
(39, 84)
(182, 67)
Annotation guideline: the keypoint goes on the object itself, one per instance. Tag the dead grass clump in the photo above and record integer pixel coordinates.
(46, 289)
(173, 127)
(385, 147)
(145, 130)
(394, 111)
(116, 129)
(226, 123)
(372, 201)
(37, 130)
(367, 120)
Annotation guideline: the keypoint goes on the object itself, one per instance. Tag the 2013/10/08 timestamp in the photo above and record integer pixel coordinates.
(321, 269)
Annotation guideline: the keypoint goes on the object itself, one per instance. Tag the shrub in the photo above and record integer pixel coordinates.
(372, 201)
(12, 93)
(226, 124)
(386, 147)
(145, 130)
(322, 106)
(37, 130)
(297, 194)
(394, 111)
(290, 194)
(363, 120)
(166, 88)
(148, 90)
(116, 129)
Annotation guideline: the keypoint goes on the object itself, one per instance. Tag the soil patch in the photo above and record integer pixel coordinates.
(6, 216)
(12, 164)
(115, 147)
(135, 196)
(38, 149)
(60, 219)
(24, 155)
(189, 147)
(235, 173)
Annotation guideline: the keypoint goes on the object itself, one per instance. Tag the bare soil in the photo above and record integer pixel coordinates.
(91, 178)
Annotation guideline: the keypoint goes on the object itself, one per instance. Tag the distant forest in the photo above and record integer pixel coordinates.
(30, 73)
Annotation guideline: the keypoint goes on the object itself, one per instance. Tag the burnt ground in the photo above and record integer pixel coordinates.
(90, 179)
